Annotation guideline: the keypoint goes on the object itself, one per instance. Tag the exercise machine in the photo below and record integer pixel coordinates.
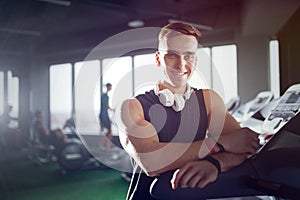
(287, 108)
(273, 171)
(233, 104)
(245, 111)
(74, 156)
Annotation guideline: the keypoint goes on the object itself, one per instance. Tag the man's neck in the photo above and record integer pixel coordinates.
(174, 90)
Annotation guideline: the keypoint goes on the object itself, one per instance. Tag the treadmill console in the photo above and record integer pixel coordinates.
(246, 111)
(287, 107)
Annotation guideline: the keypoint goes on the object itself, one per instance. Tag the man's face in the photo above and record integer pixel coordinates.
(108, 88)
(179, 58)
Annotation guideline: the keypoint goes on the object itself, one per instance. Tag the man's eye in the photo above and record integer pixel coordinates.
(190, 56)
(171, 55)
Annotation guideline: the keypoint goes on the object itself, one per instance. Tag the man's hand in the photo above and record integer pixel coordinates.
(194, 174)
(240, 141)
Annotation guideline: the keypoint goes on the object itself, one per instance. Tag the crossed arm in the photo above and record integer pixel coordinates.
(155, 157)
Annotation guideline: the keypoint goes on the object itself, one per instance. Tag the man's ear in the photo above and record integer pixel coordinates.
(157, 58)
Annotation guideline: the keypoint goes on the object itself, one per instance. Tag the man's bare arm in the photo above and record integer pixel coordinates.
(142, 143)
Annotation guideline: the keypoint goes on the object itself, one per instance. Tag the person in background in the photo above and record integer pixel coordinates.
(46, 136)
(105, 121)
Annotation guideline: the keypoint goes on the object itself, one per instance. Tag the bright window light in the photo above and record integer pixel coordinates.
(13, 97)
(118, 72)
(143, 63)
(1, 92)
(224, 71)
(274, 68)
(87, 115)
(60, 94)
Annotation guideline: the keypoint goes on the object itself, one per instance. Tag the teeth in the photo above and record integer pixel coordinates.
(180, 74)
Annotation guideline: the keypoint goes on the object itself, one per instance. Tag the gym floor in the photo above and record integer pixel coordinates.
(20, 178)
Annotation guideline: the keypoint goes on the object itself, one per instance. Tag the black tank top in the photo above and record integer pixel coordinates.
(188, 125)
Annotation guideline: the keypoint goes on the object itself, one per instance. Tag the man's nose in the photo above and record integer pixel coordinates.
(181, 61)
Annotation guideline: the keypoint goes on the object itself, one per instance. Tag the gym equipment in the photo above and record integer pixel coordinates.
(277, 163)
(74, 156)
(245, 111)
(83, 152)
(255, 122)
(39, 152)
(274, 171)
(233, 104)
(287, 108)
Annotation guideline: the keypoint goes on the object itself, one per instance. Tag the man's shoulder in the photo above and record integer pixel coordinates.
(147, 94)
(147, 98)
(206, 91)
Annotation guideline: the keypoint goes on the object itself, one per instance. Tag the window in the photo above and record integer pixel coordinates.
(145, 64)
(87, 96)
(1, 92)
(118, 72)
(274, 68)
(129, 76)
(13, 97)
(60, 94)
(224, 71)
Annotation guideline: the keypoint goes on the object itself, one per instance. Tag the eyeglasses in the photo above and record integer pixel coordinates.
(173, 55)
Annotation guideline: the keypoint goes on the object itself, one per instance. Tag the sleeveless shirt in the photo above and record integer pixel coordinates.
(187, 125)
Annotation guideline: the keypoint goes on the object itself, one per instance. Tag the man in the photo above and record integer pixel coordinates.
(46, 136)
(105, 121)
(166, 128)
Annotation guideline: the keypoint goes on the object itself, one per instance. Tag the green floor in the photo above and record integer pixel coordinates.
(22, 179)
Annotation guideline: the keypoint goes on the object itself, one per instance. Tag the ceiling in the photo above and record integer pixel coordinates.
(34, 26)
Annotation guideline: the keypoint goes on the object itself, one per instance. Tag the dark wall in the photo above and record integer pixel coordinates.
(289, 41)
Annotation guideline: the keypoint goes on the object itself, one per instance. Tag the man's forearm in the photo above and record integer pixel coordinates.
(157, 158)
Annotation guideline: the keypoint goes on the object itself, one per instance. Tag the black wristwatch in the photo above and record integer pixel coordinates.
(221, 147)
(213, 161)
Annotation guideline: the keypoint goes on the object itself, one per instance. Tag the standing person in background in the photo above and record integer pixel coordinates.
(105, 121)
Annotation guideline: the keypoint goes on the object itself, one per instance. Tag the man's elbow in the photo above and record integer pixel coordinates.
(153, 165)
(149, 171)
(152, 174)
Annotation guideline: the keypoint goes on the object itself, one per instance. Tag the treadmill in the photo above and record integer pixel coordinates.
(277, 163)
(274, 170)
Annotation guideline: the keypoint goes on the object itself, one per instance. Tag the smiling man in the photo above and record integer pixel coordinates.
(179, 129)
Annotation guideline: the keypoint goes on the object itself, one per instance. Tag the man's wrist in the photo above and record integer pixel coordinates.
(213, 146)
(221, 147)
(214, 162)
(224, 144)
